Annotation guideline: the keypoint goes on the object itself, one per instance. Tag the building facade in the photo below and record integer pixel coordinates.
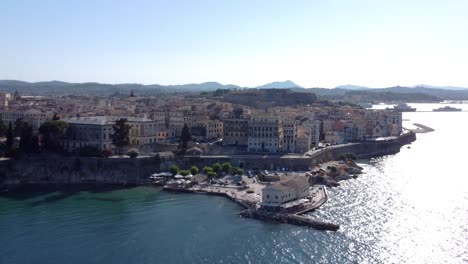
(265, 134)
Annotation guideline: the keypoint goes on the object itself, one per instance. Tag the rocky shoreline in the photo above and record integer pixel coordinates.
(334, 172)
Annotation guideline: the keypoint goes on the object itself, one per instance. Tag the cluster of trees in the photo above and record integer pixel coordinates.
(217, 169)
(175, 170)
(212, 171)
(28, 141)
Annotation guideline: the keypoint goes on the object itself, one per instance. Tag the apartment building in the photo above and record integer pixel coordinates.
(265, 134)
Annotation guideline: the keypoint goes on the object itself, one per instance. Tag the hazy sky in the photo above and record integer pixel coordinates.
(315, 43)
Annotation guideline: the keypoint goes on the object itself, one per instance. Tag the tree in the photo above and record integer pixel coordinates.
(207, 169)
(174, 169)
(52, 132)
(10, 137)
(26, 141)
(120, 135)
(212, 174)
(185, 136)
(216, 167)
(184, 172)
(194, 170)
(226, 167)
(19, 126)
(240, 171)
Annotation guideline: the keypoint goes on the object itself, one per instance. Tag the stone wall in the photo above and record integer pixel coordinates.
(126, 171)
(60, 170)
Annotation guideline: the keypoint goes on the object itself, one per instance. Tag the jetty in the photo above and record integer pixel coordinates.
(289, 219)
(420, 128)
(252, 207)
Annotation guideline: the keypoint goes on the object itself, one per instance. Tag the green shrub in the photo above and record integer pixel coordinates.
(216, 167)
(184, 172)
(194, 170)
(212, 174)
(207, 169)
(174, 169)
(226, 167)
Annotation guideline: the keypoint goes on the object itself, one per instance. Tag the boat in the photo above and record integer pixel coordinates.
(404, 108)
(447, 109)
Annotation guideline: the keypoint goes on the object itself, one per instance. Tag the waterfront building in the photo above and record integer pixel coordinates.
(335, 137)
(96, 131)
(143, 130)
(88, 131)
(279, 193)
(236, 131)
(175, 122)
(315, 128)
(265, 134)
(289, 136)
(303, 139)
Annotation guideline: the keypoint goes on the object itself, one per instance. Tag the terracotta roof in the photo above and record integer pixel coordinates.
(296, 182)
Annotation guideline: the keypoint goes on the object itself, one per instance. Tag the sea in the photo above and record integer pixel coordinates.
(411, 207)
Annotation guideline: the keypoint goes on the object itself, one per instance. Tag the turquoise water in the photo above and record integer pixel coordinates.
(411, 207)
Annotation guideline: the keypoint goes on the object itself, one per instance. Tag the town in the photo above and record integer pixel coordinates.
(224, 122)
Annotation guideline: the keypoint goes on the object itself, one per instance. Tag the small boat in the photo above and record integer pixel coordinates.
(447, 109)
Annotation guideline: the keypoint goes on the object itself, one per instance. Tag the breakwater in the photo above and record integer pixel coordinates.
(289, 219)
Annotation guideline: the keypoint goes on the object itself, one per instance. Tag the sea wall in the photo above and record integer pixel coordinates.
(62, 171)
(126, 171)
(272, 162)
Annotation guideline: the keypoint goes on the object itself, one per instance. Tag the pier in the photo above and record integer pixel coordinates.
(252, 209)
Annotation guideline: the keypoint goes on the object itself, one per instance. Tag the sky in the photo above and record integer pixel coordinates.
(315, 43)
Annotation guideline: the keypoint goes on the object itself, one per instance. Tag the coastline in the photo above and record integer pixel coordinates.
(249, 203)
(62, 171)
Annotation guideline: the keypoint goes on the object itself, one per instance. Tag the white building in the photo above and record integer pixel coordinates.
(30, 115)
(96, 131)
(285, 191)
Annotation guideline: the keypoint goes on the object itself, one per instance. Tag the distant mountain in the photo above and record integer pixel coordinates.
(93, 88)
(454, 88)
(58, 88)
(352, 87)
(280, 85)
